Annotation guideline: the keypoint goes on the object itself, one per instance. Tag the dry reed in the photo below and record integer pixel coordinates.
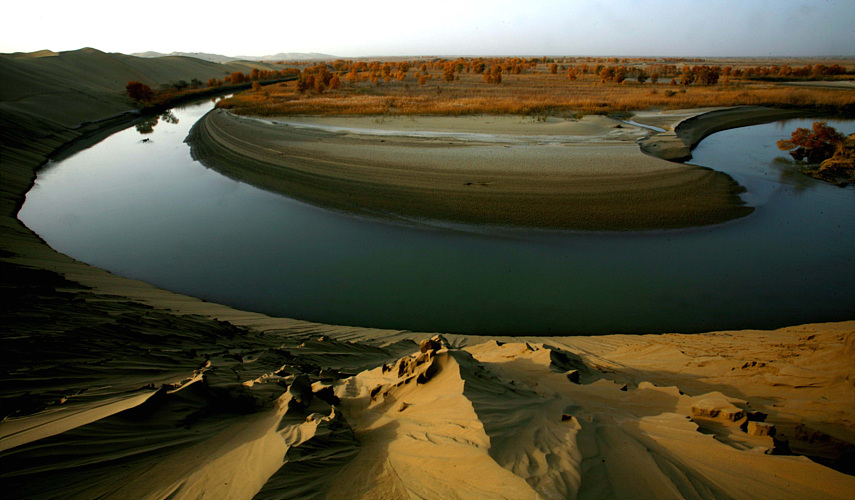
(527, 94)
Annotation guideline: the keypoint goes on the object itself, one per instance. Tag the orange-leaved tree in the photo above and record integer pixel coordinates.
(815, 144)
(139, 92)
(448, 71)
(494, 75)
(823, 144)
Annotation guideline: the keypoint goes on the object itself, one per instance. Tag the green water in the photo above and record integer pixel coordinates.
(146, 210)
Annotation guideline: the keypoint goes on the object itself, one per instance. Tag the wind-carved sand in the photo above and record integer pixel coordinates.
(506, 171)
(361, 413)
(112, 388)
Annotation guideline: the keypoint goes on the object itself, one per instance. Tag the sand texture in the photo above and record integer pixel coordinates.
(505, 171)
(146, 403)
(112, 388)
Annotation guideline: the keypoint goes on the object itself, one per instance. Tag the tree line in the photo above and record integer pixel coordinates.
(144, 94)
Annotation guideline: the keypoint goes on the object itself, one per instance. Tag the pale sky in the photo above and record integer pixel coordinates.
(353, 28)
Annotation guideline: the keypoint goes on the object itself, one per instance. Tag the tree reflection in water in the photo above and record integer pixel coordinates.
(147, 126)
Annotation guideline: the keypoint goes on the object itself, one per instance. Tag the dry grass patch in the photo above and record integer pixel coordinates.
(537, 93)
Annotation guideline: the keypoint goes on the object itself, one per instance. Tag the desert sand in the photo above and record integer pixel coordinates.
(113, 388)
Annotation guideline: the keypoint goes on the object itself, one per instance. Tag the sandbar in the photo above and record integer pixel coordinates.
(586, 174)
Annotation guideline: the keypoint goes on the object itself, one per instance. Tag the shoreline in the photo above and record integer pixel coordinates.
(582, 175)
(677, 143)
(22, 247)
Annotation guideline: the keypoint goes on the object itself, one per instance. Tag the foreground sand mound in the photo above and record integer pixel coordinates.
(210, 410)
(253, 420)
(430, 421)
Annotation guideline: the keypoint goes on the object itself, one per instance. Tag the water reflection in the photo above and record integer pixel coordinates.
(169, 118)
(789, 173)
(147, 126)
(152, 213)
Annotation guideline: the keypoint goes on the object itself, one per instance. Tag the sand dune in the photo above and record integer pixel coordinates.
(562, 418)
(112, 388)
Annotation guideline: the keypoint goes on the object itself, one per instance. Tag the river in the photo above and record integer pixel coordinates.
(137, 205)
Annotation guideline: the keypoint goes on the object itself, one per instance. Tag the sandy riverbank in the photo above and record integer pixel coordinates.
(112, 388)
(507, 171)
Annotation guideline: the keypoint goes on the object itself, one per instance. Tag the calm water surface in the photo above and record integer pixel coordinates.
(146, 210)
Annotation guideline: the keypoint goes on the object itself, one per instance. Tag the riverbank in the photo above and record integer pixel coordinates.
(112, 387)
(676, 143)
(505, 171)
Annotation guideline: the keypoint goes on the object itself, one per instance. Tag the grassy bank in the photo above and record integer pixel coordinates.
(537, 92)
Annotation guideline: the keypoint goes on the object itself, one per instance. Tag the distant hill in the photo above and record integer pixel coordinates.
(219, 58)
(296, 56)
(38, 53)
(44, 92)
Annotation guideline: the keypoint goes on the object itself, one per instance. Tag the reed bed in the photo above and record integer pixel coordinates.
(535, 94)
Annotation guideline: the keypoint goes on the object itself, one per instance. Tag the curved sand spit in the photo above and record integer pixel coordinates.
(112, 388)
(506, 171)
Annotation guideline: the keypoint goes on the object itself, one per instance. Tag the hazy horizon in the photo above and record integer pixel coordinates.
(646, 28)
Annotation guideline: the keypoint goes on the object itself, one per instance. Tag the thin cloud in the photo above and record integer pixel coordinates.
(351, 29)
